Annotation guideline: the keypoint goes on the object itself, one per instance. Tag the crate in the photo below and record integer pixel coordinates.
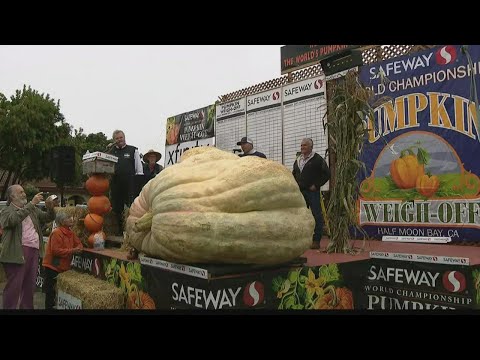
(98, 166)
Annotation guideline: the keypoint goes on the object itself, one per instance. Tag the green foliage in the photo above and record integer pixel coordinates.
(277, 283)
(83, 142)
(329, 273)
(450, 186)
(30, 125)
(302, 289)
(30, 191)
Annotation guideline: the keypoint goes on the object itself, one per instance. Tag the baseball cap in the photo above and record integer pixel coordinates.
(245, 140)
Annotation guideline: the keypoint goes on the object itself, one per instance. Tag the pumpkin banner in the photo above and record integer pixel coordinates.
(421, 151)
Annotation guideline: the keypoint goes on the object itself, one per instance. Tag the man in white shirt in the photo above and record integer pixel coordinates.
(22, 245)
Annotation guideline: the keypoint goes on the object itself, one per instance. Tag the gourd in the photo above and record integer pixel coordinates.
(91, 238)
(215, 207)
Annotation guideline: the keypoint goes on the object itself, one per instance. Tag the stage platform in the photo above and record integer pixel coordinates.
(320, 257)
(381, 276)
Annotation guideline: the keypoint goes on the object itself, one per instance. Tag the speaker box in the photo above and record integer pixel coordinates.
(62, 166)
(343, 61)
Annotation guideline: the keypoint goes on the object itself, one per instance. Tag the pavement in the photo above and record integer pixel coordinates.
(38, 299)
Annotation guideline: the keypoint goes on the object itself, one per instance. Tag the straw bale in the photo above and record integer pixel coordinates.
(94, 293)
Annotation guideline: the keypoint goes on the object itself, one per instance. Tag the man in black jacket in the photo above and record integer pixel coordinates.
(311, 173)
(129, 164)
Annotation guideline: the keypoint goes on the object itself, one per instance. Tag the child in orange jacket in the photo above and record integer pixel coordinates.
(61, 246)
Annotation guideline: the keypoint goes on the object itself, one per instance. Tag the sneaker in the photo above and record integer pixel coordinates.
(315, 245)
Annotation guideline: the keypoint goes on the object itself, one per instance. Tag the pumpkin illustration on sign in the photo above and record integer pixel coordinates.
(173, 130)
(427, 185)
(407, 168)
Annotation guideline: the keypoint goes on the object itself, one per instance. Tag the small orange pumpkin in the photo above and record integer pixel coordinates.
(91, 238)
(140, 300)
(99, 205)
(427, 185)
(93, 222)
(342, 296)
(97, 184)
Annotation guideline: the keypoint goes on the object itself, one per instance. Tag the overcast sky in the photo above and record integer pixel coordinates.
(135, 88)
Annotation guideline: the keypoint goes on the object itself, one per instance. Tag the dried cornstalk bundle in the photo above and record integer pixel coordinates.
(348, 107)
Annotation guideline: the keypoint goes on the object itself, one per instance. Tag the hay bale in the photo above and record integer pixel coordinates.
(94, 293)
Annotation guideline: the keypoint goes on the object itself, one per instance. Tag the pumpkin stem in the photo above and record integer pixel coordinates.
(138, 302)
(406, 152)
(144, 223)
(332, 291)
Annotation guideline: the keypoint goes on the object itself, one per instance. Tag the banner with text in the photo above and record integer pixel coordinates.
(174, 152)
(295, 57)
(190, 126)
(422, 149)
(181, 289)
(411, 285)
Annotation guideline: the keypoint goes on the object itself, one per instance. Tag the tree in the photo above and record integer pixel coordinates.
(30, 124)
(82, 143)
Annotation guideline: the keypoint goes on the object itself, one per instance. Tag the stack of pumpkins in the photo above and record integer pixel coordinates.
(98, 205)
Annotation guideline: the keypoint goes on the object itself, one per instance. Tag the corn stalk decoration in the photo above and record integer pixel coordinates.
(347, 108)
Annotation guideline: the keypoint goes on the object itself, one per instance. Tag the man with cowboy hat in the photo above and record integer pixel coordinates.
(151, 168)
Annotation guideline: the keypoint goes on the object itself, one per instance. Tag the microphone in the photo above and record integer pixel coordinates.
(109, 146)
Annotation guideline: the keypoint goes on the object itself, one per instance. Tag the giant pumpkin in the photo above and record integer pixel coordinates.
(215, 207)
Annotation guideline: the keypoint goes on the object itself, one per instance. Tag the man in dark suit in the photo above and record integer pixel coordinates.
(311, 172)
(129, 164)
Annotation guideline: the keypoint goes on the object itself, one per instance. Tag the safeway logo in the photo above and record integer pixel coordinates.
(253, 294)
(318, 84)
(454, 281)
(446, 55)
(376, 254)
(96, 268)
(276, 95)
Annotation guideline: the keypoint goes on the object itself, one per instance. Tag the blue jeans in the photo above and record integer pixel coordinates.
(312, 198)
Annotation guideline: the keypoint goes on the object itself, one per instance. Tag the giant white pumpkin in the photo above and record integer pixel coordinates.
(215, 207)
